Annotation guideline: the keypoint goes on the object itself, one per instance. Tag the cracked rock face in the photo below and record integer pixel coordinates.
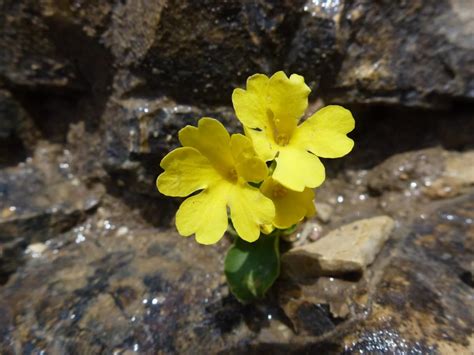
(92, 95)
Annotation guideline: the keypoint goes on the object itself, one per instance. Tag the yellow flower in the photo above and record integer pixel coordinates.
(221, 166)
(290, 206)
(270, 110)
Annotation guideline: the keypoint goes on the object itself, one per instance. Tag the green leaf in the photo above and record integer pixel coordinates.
(251, 268)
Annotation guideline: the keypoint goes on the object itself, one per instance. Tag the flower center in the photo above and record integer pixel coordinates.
(232, 175)
(277, 127)
(282, 139)
(279, 191)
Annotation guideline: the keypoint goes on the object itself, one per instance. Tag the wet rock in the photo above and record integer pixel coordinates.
(140, 132)
(407, 171)
(414, 54)
(317, 47)
(411, 300)
(99, 287)
(456, 177)
(11, 255)
(39, 199)
(348, 249)
(335, 294)
(420, 301)
(435, 172)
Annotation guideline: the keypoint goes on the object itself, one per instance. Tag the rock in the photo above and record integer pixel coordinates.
(9, 112)
(407, 171)
(435, 172)
(11, 256)
(141, 132)
(36, 249)
(94, 92)
(98, 287)
(324, 211)
(416, 54)
(18, 133)
(39, 199)
(316, 46)
(419, 287)
(456, 177)
(332, 297)
(422, 292)
(30, 57)
(201, 53)
(348, 249)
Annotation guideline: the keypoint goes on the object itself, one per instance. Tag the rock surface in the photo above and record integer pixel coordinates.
(40, 199)
(404, 52)
(350, 248)
(438, 173)
(92, 94)
(97, 289)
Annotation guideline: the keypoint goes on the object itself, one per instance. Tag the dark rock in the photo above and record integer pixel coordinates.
(419, 302)
(316, 48)
(140, 132)
(415, 53)
(413, 299)
(39, 199)
(201, 51)
(98, 288)
(10, 115)
(112, 82)
(29, 56)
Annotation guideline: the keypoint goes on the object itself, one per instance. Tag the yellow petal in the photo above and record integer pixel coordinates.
(249, 209)
(324, 133)
(267, 228)
(290, 206)
(249, 105)
(297, 169)
(264, 146)
(287, 100)
(205, 215)
(186, 171)
(248, 165)
(211, 139)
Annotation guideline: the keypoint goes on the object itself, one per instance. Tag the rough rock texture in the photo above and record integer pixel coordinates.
(422, 299)
(38, 200)
(102, 62)
(92, 94)
(437, 172)
(349, 248)
(98, 289)
(414, 53)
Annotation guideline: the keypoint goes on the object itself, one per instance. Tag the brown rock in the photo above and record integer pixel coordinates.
(419, 53)
(350, 248)
(457, 176)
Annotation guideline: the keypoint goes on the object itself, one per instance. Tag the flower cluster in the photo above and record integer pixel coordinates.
(266, 177)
